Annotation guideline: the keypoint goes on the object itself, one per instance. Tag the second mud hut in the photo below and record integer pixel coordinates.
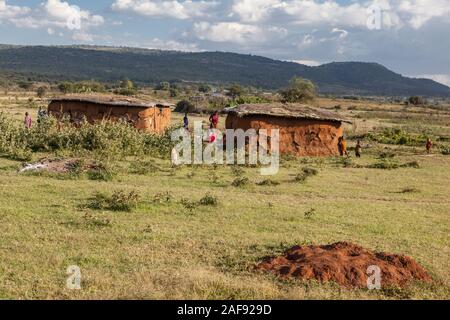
(147, 116)
(304, 130)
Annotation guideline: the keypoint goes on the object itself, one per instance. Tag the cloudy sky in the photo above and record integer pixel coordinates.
(411, 37)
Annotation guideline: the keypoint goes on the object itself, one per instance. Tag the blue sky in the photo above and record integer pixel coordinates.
(408, 36)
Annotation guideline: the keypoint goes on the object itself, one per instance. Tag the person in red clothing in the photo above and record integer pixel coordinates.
(214, 119)
(429, 145)
(27, 121)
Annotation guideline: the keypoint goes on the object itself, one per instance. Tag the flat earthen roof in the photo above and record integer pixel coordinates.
(287, 110)
(112, 101)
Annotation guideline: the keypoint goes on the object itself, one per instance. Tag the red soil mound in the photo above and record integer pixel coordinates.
(345, 264)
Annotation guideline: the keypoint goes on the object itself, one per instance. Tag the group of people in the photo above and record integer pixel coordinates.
(342, 143)
(213, 124)
(342, 146)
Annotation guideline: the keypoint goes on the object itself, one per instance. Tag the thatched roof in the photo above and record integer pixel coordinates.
(118, 101)
(291, 110)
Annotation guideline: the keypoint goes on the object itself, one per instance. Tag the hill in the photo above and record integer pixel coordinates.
(152, 66)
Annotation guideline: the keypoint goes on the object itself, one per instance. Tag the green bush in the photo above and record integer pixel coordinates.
(240, 182)
(384, 164)
(305, 174)
(110, 140)
(445, 150)
(118, 201)
(209, 200)
(268, 182)
(397, 137)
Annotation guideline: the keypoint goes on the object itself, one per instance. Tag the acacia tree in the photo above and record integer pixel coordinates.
(235, 91)
(41, 91)
(299, 90)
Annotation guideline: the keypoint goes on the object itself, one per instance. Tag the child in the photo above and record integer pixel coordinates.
(27, 121)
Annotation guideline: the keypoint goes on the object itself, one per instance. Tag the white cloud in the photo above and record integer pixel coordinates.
(254, 10)
(170, 8)
(395, 13)
(419, 12)
(83, 37)
(157, 43)
(236, 32)
(10, 12)
(311, 63)
(49, 15)
(65, 15)
(441, 78)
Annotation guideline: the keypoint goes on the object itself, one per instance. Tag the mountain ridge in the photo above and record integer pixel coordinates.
(110, 64)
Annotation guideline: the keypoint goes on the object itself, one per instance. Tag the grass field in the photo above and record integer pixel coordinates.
(167, 248)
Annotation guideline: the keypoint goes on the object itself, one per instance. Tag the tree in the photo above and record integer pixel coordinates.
(173, 92)
(235, 91)
(204, 88)
(127, 84)
(184, 106)
(163, 86)
(415, 100)
(299, 90)
(41, 91)
(66, 87)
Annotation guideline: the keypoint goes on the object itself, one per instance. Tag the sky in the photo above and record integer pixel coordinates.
(411, 37)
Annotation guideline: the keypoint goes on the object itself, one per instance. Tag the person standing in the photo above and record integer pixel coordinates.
(41, 115)
(27, 121)
(186, 122)
(214, 119)
(342, 145)
(358, 149)
(429, 145)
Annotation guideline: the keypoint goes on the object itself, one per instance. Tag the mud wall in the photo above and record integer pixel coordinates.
(299, 137)
(147, 119)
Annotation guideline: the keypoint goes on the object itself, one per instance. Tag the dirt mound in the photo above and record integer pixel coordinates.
(344, 263)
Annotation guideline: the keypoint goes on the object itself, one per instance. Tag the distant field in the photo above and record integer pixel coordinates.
(166, 250)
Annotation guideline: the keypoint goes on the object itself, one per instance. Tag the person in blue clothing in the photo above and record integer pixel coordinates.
(186, 122)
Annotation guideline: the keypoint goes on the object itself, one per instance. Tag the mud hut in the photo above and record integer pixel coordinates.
(304, 130)
(144, 115)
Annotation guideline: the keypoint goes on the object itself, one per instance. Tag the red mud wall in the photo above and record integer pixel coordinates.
(147, 119)
(299, 137)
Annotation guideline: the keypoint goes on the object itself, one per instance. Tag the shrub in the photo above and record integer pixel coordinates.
(188, 204)
(163, 197)
(118, 201)
(209, 200)
(445, 150)
(384, 164)
(237, 171)
(268, 182)
(240, 182)
(143, 167)
(412, 164)
(310, 213)
(101, 173)
(396, 136)
(305, 174)
(110, 140)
